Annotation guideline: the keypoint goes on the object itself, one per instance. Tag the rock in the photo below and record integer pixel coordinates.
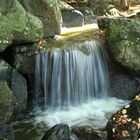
(6, 103)
(24, 57)
(58, 132)
(123, 86)
(6, 132)
(88, 133)
(125, 124)
(122, 36)
(17, 25)
(64, 6)
(19, 88)
(16, 83)
(47, 11)
(72, 18)
(89, 17)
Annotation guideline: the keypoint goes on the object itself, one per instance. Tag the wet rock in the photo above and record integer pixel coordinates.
(72, 18)
(19, 88)
(88, 133)
(123, 86)
(48, 12)
(24, 57)
(122, 36)
(88, 13)
(17, 25)
(16, 83)
(58, 132)
(6, 103)
(6, 132)
(125, 124)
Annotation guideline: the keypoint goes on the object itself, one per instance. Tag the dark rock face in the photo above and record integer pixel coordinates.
(122, 36)
(6, 132)
(123, 86)
(24, 57)
(88, 133)
(58, 132)
(19, 88)
(16, 83)
(125, 124)
(72, 18)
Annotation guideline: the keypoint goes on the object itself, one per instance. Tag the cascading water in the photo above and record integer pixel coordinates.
(67, 78)
(72, 86)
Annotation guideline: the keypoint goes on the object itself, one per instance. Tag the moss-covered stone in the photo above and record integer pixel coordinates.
(123, 37)
(6, 103)
(18, 25)
(47, 11)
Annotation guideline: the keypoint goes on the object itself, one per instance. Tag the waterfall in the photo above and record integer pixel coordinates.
(72, 76)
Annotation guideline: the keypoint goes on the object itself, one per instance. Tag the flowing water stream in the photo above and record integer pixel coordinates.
(72, 87)
(66, 78)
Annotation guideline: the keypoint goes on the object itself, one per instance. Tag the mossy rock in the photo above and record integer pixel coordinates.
(123, 38)
(17, 25)
(48, 12)
(6, 103)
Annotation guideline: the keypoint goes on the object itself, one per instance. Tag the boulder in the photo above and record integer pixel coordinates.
(125, 124)
(58, 132)
(88, 133)
(16, 83)
(70, 16)
(6, 103)
(48, 12)
(123, 86)
(122, 36)
(17, 25)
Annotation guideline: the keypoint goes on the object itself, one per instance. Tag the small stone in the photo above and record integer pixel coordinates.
(137, 97)
(125, 116)
(124, 111)
(114, 118)
(134, 122)
(125, 133)
(113, 130)
(129, 120)
(127, 106)
(123, 121)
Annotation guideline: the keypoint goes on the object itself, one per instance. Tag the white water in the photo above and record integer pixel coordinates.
(95, 113)
(66, 78)
(72, 86)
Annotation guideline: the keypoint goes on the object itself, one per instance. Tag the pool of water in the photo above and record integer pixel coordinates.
(95, 113)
